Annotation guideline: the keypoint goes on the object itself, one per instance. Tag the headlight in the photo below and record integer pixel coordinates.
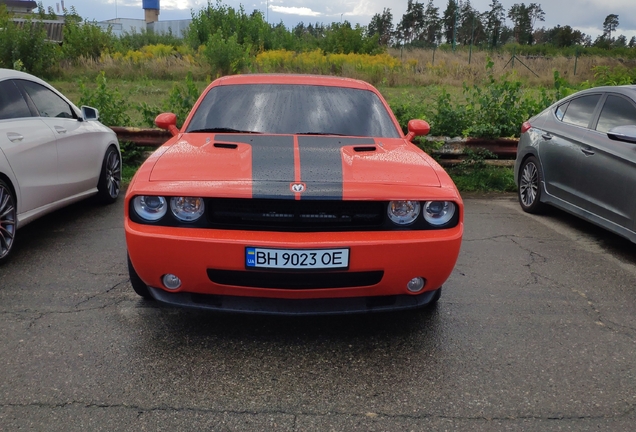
(187, 209)
(403, 212)
(150, 208)
(438, 212)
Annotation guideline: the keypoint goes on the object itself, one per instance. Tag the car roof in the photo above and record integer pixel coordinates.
(629, 90)
(14, 74)
(294, 79)
(10, 73)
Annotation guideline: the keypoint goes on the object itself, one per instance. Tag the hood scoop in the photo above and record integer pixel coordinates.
(362, 149)
(226, 145)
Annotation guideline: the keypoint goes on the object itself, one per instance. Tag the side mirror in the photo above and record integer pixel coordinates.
(417, 128)
(89, 113)
(167, 121)
(623, 133)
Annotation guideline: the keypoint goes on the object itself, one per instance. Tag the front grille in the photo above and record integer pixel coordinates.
(287, 215)
(295, 281)
(292, 215)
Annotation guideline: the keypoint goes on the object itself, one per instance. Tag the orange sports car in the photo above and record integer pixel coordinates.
(292, 194)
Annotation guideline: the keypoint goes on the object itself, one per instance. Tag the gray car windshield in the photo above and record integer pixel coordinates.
(293, 109)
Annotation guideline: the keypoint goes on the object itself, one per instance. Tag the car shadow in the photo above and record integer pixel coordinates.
(173, 323)
(44, 231)
(618, 246)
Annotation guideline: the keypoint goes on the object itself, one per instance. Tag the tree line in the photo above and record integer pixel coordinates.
(222, 34)
(424, 25)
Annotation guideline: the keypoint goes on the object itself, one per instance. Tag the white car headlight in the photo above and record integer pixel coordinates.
(438, 212)
(403, 212)
(150, 208)
(187, 209)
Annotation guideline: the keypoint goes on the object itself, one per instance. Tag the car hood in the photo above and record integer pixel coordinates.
(285, 165)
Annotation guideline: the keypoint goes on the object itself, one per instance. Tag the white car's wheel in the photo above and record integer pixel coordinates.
(8, 220)
(110, 178)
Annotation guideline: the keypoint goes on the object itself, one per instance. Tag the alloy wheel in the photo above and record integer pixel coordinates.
(529, 184)
(7, 220)
(113, 174)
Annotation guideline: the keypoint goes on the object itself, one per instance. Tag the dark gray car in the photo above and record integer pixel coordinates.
(580, 155)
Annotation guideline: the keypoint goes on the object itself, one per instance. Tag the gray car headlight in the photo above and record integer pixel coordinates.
(403, 212)
(438, 212)
(187, 209)
(150, 208)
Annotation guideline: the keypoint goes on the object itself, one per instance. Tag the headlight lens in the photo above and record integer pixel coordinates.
(403, 212)
(150, 208)
(438, 212)
(187, 209)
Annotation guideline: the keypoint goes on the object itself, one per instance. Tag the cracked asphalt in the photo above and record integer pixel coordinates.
(535, 330)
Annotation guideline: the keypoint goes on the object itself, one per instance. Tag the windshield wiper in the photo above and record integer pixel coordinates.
(222, 129)
(318, 133)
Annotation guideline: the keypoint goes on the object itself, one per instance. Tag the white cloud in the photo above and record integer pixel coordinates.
(302, 11)
(177, 4)
(366, 8)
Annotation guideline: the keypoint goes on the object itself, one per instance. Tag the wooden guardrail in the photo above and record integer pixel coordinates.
(450, 153)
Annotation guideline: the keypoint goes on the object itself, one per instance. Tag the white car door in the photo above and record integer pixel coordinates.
(79, 150)
(29, 146)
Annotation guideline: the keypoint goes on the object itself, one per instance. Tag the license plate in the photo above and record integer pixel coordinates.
(296, 259)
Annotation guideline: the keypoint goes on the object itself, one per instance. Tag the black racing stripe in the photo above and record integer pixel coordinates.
(272, 163)
(321, 164)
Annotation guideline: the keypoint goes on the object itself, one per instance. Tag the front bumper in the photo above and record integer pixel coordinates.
(296, 307)
(191, 253)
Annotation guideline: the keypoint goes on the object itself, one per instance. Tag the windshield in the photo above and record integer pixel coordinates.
(293, 109)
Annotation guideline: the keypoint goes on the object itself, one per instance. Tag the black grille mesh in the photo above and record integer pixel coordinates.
(292, 215)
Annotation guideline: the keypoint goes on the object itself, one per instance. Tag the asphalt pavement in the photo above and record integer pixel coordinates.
(535, 330)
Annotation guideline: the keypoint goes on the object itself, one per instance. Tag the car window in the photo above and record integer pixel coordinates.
(560, 111)
(579, 111)
(290, 109)
(47, 102)
(12, 104)
(617, 111)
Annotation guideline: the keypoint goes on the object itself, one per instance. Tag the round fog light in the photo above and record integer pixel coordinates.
(171, 281)
(416, 284)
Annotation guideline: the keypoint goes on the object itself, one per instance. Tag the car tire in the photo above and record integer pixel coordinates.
(138, 285)
(529, 190)
(109, 184)
(8, 221)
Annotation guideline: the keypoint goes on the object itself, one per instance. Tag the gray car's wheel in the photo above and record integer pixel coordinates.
(529, 191)
(8, 221)
(110, 177)
(138, 285)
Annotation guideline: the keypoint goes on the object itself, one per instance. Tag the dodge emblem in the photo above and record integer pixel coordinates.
(297, 187)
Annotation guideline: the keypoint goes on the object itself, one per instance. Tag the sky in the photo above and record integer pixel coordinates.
(584, 15)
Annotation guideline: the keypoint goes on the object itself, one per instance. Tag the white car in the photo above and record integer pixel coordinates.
(52, 154)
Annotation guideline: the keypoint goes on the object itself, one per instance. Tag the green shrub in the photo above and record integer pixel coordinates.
(248, 30)
(180, 101)
(113, 110)
(606, 76)
(226, 56)
(25, 44)
(84, 39)
(407, 107)
(136, 41)
(449, 119)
